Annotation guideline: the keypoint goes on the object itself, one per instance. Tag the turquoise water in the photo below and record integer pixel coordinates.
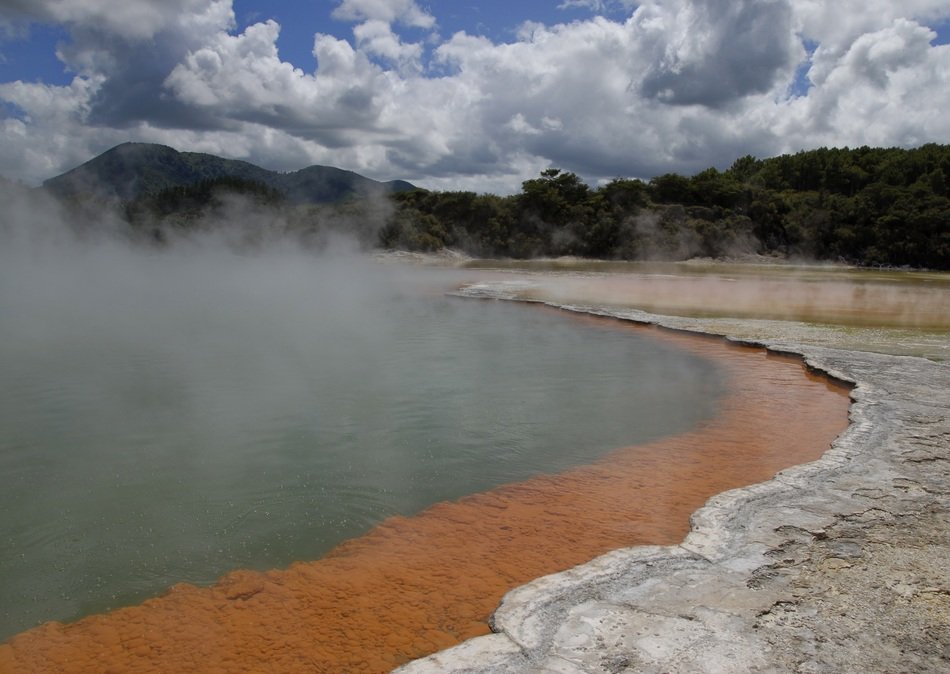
(170, 417)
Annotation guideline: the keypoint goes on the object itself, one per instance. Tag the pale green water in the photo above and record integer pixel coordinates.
(170, 417)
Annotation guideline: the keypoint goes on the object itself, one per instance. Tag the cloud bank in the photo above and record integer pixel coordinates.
(635, 89)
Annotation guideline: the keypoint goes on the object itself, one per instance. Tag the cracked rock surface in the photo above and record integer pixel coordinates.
(840, 565)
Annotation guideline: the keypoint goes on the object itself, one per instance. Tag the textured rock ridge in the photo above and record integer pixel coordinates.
(834, 566)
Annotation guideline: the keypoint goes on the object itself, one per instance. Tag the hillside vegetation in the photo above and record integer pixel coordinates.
(160, 193)
(867, 206)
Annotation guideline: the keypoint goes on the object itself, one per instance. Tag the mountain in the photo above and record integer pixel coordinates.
(131, 170)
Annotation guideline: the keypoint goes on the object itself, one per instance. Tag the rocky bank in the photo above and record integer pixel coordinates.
(840, 565)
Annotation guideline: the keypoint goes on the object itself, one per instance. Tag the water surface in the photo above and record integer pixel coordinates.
(902, 312)
(169, 417)
(414, 585)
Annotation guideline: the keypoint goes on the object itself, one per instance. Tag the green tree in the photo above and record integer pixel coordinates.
(671, 188)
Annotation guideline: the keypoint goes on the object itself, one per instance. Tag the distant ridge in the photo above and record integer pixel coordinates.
(131, 170)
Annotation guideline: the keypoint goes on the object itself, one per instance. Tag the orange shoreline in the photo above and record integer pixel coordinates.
(415, 585)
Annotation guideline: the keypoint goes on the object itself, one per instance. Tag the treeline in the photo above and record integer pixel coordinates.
(867, 206)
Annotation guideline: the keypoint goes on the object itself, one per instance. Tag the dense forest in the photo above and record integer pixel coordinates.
(865, 206)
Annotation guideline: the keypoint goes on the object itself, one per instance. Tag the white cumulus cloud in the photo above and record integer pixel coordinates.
(672, 85)
(389, 11)
(133, 19)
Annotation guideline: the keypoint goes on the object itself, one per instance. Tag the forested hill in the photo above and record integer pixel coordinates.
(132, 171)
(868, 206)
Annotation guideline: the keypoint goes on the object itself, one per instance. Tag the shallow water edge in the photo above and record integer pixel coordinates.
(830, 566)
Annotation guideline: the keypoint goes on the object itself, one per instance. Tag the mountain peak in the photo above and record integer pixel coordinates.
(131, 169)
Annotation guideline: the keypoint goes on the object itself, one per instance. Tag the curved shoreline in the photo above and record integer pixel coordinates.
(356, 607)
(818, 569)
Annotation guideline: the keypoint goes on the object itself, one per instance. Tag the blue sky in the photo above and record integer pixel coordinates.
(469, 95)
(33, 57)
(496, 19)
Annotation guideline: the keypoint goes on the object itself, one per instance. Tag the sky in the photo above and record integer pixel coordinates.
(462, 94)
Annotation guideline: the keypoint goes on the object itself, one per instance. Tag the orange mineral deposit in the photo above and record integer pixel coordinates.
(415, 585)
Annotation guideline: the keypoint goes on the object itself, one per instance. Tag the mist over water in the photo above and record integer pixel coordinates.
(170, 414)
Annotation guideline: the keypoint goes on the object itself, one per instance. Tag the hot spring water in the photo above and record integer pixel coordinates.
(170, 417)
